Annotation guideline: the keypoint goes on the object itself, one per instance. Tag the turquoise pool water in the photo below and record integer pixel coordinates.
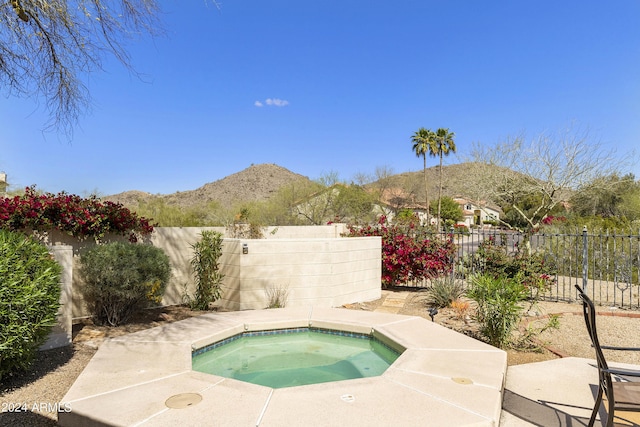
(293, 358)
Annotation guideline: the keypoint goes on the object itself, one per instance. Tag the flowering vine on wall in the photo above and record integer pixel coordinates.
(76, 216)
(408, 253)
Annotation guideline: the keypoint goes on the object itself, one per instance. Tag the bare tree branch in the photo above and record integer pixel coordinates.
(47, 45)
(548, 169)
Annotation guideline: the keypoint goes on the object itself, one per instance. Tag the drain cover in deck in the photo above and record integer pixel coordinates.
(183, 400)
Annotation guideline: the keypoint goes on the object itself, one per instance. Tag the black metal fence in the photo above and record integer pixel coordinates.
(606, 266)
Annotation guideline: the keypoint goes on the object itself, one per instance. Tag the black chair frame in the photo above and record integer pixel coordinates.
(614, 383)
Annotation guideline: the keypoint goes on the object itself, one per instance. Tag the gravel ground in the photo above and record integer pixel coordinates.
(32, 399)
(54, 371)
(572, 338)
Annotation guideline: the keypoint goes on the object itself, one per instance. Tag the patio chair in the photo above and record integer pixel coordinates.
(622, 394)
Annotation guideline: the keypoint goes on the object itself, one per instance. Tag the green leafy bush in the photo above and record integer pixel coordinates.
(493, 257)
(29, 299)
(445, 290)
(208, 278)
(499, 306)
(244, 227)
(121, 279)
(535, 271)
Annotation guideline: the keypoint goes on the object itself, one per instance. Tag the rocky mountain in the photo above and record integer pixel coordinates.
(259, 182)
(255, 183)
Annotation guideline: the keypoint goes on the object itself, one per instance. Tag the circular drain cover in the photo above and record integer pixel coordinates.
(462, 380)
(183, 400)
(348, 398)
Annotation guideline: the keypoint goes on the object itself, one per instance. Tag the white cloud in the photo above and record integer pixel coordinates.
(277, 102)
(274, 102)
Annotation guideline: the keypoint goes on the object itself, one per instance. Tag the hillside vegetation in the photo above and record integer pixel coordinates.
(268, 194)
(261, 182)
(265, 193)
(255, 183)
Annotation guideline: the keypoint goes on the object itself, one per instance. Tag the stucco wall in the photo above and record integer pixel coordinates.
(314, 272)
(313, 262)
(177, 242)
(305, 232)
(61, 333)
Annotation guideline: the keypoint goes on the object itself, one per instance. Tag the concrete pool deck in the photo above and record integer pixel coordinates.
(557, 393)
(443, 378)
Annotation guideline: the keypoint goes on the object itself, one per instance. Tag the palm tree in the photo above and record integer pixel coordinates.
(443, 146)
(423, 144)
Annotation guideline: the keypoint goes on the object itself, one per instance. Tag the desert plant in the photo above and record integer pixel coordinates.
(461, 308)
(445, 290)
(534, 270)
(277, 296)
(121, 279)
(29, 299)
(493, 257)
(243, 227)
(205, 263)
(528, 339)
(499, 306)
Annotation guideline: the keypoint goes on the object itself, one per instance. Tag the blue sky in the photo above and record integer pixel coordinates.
(334, 86)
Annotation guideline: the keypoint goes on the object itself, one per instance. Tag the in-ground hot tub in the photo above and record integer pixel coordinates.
(293, 357)
(146, 378)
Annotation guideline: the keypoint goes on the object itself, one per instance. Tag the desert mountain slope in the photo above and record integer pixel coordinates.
(260, 182)
(457, 180)
(257, 182)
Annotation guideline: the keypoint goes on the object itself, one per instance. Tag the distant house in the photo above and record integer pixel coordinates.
(477, 214)
(394, 200)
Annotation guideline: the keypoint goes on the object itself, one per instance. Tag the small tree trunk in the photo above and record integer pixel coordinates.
(426, 187)
(440, 192)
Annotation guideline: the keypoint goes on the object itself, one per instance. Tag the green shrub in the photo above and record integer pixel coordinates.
(499, 306)
(206, 254)
(122, 279)
(535, 271)
(493, 257)
(29, 299)
(445, 290)
(244, 227)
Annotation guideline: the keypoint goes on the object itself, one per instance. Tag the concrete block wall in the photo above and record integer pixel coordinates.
(312, 261)
(176, 243)
(306, 231)
(61, 334)
(314, 272)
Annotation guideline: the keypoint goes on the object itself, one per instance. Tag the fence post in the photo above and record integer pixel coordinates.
(585, 259)
(453, 256)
